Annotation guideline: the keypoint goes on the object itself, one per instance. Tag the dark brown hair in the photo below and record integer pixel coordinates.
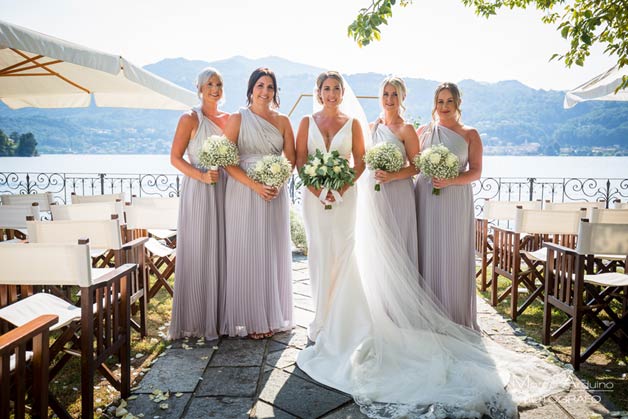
(255, 76)
(324, 76)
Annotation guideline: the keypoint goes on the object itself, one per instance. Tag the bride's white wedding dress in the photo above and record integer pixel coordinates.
(386, 343)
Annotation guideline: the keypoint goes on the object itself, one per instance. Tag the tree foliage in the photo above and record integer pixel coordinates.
(583, 23)
(21, 145)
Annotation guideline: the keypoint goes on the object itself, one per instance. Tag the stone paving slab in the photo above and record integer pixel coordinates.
(297, 396)
(150, 409)
(274, 346)
(239, 353)
(547, 411)
(219, 408)
(297, 337)
(188, 365)
(229, 381)
(283, 359)
(351, 411)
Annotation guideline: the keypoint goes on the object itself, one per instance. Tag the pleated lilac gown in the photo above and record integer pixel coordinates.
(200, 264)
(398, 198)
(259, 275)
(446, 236)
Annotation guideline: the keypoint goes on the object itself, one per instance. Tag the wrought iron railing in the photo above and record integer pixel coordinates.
(62, 185)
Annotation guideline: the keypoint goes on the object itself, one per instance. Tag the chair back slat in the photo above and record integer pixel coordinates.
(45, 264)
(88, 211)
(505, 210)
(548, 222)
(102, 234)
(161, 216)
(595, 238)
(609, 216)
(617, 204)
(570, 206)
(91, 199)
(43, 199)
(14, 216)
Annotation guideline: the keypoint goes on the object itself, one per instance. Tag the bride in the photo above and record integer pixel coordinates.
(378, 334)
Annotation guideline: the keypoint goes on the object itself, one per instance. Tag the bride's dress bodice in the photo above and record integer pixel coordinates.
(341, 142)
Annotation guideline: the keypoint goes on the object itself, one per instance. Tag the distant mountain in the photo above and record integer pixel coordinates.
(511, 117)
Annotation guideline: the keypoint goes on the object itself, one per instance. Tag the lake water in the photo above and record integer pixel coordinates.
(494, 166)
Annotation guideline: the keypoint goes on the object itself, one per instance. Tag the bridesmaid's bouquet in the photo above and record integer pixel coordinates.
(271, 170)
(326, 171)
(437, 162)
(384, 156)
(217, 151)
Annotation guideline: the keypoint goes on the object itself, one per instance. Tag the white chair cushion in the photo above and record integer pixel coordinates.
(537, 255)
(611, 279)
(23, 311)
(162, 234)
(158, 249)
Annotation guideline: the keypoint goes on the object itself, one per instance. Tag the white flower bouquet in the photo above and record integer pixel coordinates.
(217, 151)
(326, 171)
(437, 162)
(384, 156)
(271, 170)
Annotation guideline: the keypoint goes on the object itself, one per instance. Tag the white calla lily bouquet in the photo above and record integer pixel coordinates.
(437, 162)
(217, 151)
(327, 172)
(271, 170)
(384, 156)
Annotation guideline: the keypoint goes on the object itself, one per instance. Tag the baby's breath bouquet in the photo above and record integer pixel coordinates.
(384, 156)
(217, 151)
(326, 171)
(437, 162)
(271, 170)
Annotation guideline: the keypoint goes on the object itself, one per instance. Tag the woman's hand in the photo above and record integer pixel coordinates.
(442, 183)
(267, 193)
(382, 176)
(210, 176)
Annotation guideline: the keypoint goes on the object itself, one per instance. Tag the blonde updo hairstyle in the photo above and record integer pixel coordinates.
(455, 93)
(321, 79)
(400, 88)
(202, 78)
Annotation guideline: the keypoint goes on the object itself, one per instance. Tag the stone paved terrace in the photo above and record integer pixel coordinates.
(242, 378)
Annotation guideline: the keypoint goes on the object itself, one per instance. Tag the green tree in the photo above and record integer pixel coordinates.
(27, 145)
(583, 23)
(6, 145)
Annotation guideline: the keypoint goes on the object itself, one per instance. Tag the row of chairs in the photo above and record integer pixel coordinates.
(523, 257)
(95, 323)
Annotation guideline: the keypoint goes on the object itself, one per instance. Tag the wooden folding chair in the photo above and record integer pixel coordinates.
(493, 212)
(104, 236)
(570, 289)
(45, 200)
(17, 364)
(92, 199)
(13, 220)
(519, 256)
(607, 263)
(98, 331)
(160, 258)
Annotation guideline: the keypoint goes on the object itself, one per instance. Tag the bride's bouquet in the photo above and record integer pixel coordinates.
(217, 151)
(437, 162)
(271, 170)
(384, 156)
(326, 171)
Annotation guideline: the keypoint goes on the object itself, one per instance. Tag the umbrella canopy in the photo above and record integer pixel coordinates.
(601, 87)
(42, 71)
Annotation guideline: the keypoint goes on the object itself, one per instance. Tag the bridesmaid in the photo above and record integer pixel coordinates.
(445, 221)
(200, 263)
(259, 273)
(396, 197)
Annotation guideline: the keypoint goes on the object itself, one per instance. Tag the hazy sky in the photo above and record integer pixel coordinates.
(435, 39)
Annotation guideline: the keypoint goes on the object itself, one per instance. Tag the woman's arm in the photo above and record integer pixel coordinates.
(188, 123)
(301, 150)
(232, 130)
(288, 141)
